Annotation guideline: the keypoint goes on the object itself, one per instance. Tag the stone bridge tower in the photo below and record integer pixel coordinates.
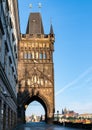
(35, 68)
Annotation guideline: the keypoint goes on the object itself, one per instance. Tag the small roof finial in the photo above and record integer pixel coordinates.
(39, 5)
(30, 5)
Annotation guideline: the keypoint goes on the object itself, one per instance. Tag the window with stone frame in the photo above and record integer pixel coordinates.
(41, 55)
(13, 37)
(44, 55)
(29, 55)
(10, 23)
(25, 55)
(1, 33)
(0, 39)
(6, 53)
(5, 56)
(7, 6)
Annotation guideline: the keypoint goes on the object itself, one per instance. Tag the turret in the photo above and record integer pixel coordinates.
(51, 29)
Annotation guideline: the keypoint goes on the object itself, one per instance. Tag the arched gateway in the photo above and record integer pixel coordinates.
(35, 68)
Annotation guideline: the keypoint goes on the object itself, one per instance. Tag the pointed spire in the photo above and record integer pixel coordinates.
(51, 29)
(35, 25)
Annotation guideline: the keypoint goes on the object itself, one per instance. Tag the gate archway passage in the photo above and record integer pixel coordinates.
(35, 68)
(35, 112)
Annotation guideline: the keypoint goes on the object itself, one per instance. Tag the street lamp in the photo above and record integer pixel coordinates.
(58, 116)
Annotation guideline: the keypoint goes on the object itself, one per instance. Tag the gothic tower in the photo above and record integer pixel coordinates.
(35, 68)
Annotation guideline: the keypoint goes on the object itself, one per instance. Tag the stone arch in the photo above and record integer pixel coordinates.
(27, 99)
(41, 100)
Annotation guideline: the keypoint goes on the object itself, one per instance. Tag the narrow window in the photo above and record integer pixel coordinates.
(15, 48)
(13, 37)
(11, 23)
(0, 40)
(21, 55)
(29, 56)
(1, 34)
(44, 56)
(25, 55)
(41, 56)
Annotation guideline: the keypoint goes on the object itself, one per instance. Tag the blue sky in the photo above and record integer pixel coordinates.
(72, 25)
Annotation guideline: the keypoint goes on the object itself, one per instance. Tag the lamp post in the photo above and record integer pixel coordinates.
(57, 116)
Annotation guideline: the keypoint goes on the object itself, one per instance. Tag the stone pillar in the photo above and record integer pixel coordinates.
(0, 115)
(50, 117)
(15, 118)
(21, 115)
(12, 118)
(2, 111)
(9, 118)
(50, 120)
(4, 116)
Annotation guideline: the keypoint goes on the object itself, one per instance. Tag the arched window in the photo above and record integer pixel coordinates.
(25, 55)
(41, 56)
(44, 55)
(29, 56)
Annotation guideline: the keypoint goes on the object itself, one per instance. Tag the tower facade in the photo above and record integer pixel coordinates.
(36, 68)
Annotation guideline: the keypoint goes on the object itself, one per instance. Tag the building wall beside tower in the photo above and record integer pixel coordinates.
(9, 36)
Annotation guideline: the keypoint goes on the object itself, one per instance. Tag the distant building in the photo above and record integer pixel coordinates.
(58, 117)
(85, 116)
(69, 113)
(65, 115)
(9, 35)
(34, 118)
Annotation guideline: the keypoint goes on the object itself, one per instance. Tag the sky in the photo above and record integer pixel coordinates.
(72, 25)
